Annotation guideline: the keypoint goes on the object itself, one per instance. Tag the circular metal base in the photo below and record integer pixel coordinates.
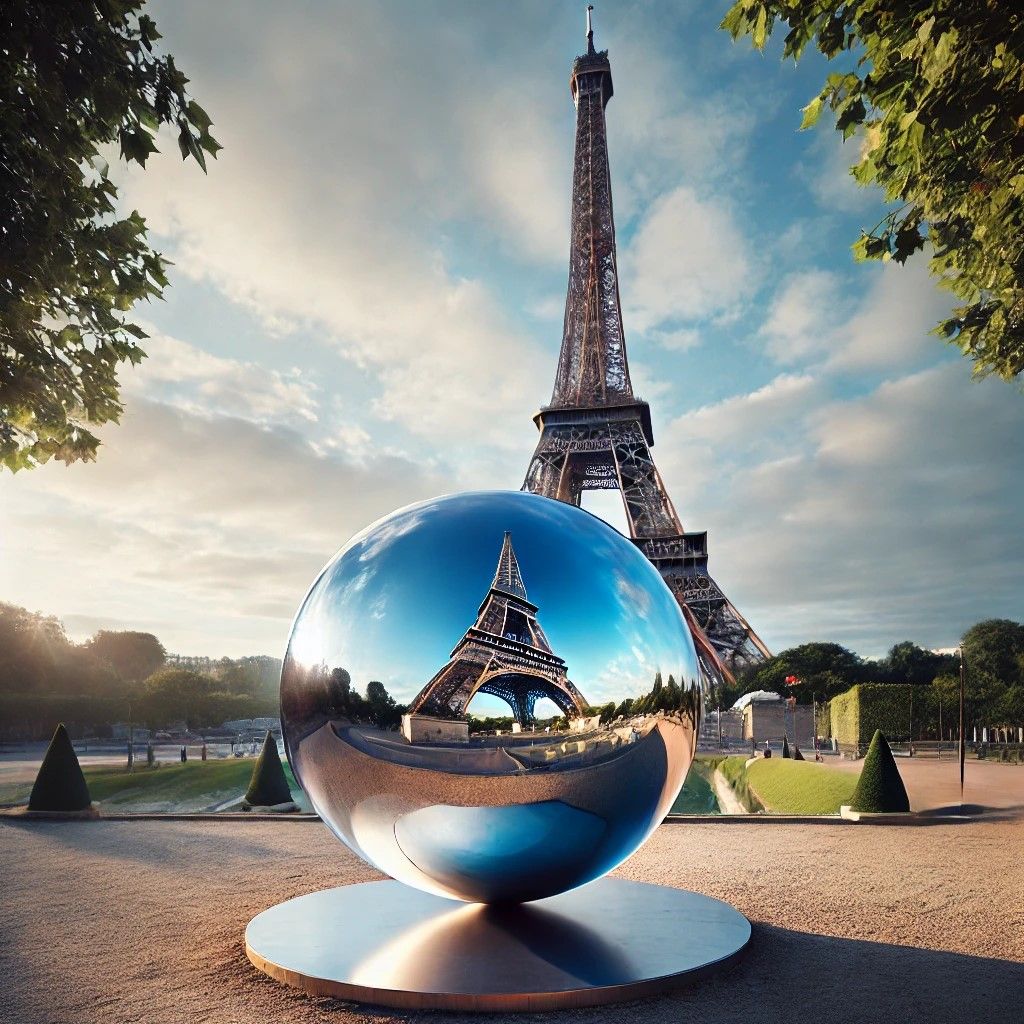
(384, 943)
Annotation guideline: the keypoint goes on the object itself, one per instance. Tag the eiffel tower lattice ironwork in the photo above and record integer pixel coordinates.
(595, 433)
(505, 653)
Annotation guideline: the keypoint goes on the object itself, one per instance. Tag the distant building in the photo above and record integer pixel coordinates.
(426, 729)
(769, 718)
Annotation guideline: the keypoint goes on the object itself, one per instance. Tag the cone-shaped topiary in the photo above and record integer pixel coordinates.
(797, 755)
(880, 789)
(60, 784)
(268, 785)
(785, 748)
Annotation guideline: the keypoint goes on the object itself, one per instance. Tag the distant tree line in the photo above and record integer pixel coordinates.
(45, 678)
(377, 707)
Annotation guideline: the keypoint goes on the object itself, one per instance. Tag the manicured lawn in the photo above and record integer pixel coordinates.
(192, 786)
(799, 787)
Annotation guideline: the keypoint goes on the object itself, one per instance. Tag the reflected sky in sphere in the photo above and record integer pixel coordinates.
(394, 602)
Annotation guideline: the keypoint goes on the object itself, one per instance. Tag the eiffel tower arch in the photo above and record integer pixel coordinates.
(595, 433)
(505, 653)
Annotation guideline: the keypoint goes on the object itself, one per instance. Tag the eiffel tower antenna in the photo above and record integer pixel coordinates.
(595, 433)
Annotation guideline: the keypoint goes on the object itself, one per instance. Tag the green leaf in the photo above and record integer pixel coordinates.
(198, 116)
(759, 32)
(811, 113)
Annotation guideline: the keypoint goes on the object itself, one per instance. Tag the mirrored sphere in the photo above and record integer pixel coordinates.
(483, 605)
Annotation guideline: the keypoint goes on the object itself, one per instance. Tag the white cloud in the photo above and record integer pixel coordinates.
(188, 519)
(189, 377)
(892, 325)
(813, 317)
(802, 317)
(866, 520)
(356, 254)
(688, 260)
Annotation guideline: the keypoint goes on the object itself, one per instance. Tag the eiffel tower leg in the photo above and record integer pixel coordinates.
(544, 475)
(551, 472)
(648, 506)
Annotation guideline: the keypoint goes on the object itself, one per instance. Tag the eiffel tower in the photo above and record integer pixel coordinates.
(595, 433)
(505, 654)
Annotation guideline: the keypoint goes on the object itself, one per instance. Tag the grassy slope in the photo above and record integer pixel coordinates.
(193, 785)
(799, 787)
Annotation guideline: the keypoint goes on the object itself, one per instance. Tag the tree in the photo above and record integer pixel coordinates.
(994, 649)
(177, 694)
(134, 656)
(936, 92)
(381, 708)
(76, 78)
(1009, 709)
(825, 669)
(908, 663)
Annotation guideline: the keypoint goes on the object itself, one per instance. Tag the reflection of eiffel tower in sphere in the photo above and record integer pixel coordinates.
(505, 653)
(596, 433)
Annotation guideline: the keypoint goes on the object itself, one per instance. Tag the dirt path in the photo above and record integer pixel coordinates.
(728, 801)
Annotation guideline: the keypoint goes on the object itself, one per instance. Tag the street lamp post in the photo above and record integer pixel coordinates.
(963, 746)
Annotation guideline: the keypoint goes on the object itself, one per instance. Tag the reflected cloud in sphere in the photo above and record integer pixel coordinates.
(524, 599)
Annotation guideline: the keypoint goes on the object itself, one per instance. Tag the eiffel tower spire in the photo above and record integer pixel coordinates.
(595, 433)
(507, 578)
(592, 366)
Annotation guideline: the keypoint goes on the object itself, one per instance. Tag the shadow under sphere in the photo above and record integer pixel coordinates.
(521, 598)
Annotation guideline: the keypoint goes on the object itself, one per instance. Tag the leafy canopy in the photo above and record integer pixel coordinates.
(937, 95)
(76, 77)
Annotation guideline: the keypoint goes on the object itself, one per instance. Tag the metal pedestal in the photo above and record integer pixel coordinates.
(384, 943)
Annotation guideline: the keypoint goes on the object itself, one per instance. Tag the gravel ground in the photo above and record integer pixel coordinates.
(113, 922)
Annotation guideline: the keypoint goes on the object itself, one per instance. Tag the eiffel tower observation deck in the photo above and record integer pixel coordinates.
(595, 433)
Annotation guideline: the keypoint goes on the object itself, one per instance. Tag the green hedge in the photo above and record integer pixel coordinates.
(268, 785)
(60, 784)
(856, 715)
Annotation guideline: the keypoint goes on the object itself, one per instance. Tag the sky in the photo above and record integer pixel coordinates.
(401, 596)
(366, 308)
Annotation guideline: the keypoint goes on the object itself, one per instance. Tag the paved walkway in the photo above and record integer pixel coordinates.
(932, 783)
(111, 922)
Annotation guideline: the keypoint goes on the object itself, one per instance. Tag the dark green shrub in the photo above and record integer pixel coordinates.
(60, 784)
(880, 788)
(785, 748)
(797, 755)
(268, 785)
